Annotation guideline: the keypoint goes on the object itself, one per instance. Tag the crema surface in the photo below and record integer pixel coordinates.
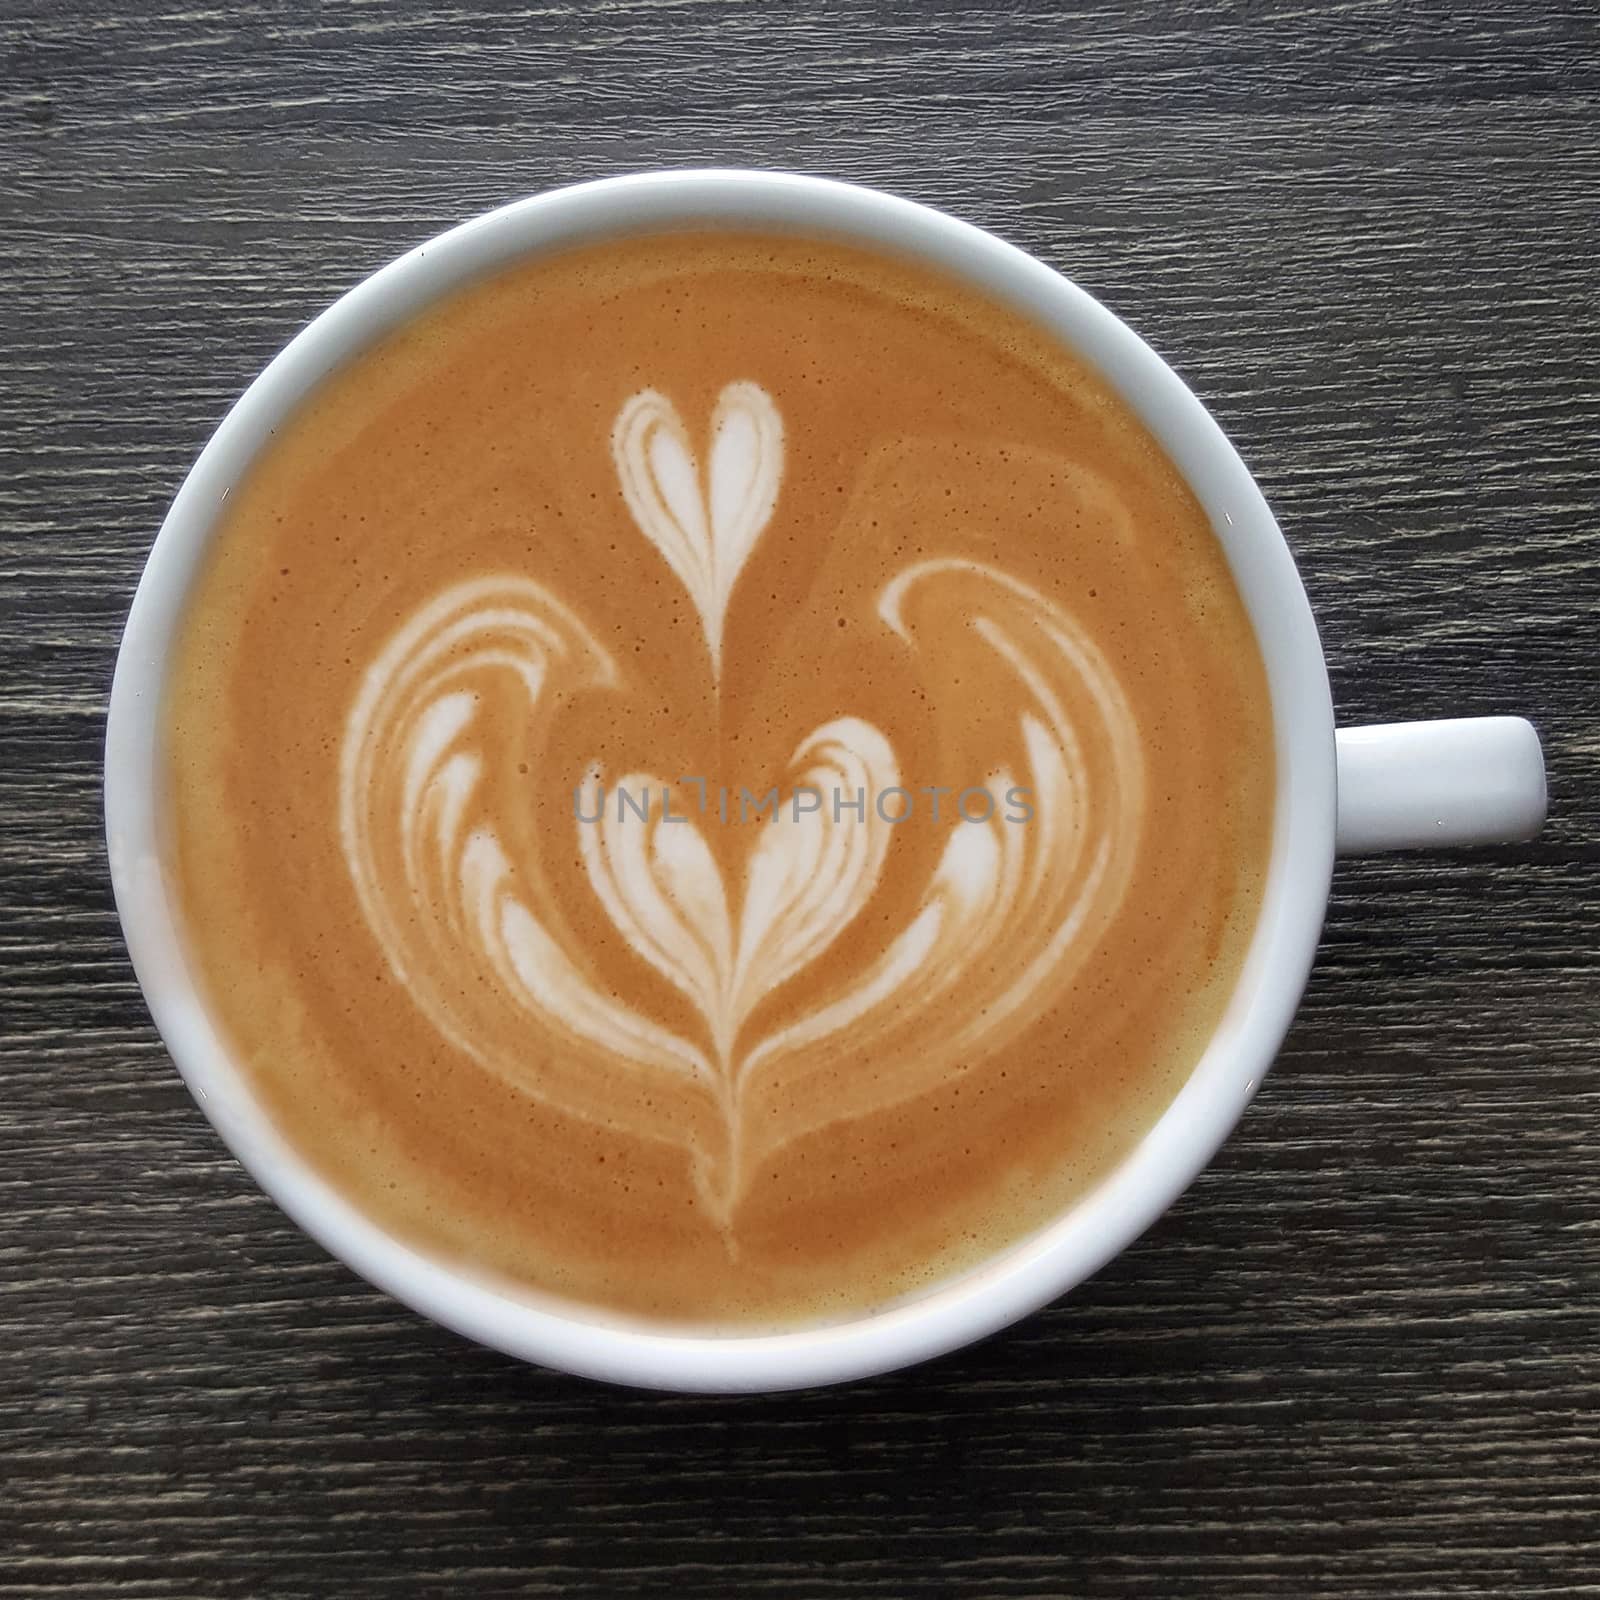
(718, 777)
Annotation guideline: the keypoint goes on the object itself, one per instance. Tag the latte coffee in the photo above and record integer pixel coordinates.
(718, 777)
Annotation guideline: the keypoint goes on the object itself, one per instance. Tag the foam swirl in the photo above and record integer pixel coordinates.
(461, 903)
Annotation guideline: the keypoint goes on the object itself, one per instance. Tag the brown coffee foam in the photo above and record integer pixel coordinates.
(920, 424)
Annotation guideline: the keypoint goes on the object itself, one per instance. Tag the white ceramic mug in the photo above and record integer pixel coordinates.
(1361, 789)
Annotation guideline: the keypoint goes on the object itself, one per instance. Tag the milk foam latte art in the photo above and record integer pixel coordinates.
(441, 892)
(678, 516)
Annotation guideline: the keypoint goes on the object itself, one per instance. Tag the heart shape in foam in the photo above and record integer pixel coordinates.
(707, 523)
(808, 877)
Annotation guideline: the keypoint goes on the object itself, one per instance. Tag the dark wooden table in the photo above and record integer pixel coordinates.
(1360, 1357)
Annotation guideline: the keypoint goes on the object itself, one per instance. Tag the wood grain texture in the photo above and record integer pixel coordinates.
(1360, 1357)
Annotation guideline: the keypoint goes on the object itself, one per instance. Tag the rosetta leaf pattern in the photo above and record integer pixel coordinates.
(439, 885)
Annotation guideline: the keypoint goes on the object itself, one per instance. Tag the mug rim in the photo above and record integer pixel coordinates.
(1016, 1280)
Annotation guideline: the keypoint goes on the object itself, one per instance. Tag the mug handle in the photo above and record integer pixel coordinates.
(1413, 785)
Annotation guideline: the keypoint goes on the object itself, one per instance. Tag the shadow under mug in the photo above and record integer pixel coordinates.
(1410, 784)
